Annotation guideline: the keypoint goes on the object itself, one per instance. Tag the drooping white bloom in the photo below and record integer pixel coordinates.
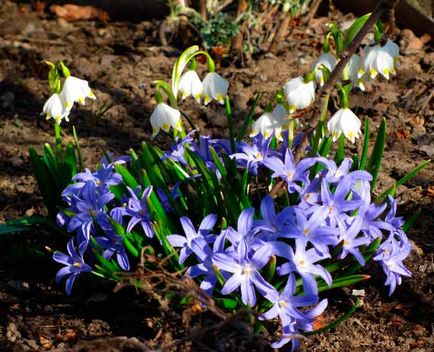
(381, 59)
(354, 72)
(299, 94)
(327, 60)
(190, 84)
(163, 117)
(214, 87)
(270, 123)
(346, 122)
(54, 108)
(392, 48)
(75, 90)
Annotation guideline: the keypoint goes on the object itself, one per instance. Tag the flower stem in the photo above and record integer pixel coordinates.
(58, 137)
(77, 146)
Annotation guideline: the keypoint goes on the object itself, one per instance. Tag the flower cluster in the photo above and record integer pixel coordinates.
(299, 92)
(59, 105)
(332, 219)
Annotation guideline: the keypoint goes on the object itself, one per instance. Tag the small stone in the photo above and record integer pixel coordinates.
(16, 161)
(414, 46)
(12, 333)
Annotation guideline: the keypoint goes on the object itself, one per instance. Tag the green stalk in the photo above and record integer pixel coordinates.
(58, 137)
(230, 123)
(77, 146)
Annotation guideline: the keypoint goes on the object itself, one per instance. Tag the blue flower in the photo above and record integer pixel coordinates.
(285, 304)
(88, 209)
(391, 255)
(177, 151)
(244, 267)
(253, 156)
(289, 171)
(190, 234)
(313, 229)
(302, 261)
(138, 210)
(290, 331)
(351, 238)
(75, 265)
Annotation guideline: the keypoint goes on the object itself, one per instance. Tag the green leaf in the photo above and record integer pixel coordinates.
(340, 153)
(248, 119)
(21, 225)
(45, 182)
(343, 282)
(127, 177)
(53, 167)
(364, 156)
(354, 29)
(413, 172)
(410, 221)
(230, 119)
(377, 153)
(217, 162)
(227, 303)
(70, 158)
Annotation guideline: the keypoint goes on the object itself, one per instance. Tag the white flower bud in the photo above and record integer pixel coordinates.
(327, 60)
(299, 94)
(214, 87)
(190, 84)
(163, 117)
(269, 123)
(54, 108)
(380, 59)
(75, 90)
(346, 122)
(354, 72)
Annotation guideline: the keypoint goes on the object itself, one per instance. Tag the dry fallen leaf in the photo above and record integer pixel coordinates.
(45, 343)
(72, 13)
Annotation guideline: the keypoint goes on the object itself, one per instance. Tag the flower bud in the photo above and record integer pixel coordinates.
(346, 122)
(299, 94)
(214, 87)
(163, 117)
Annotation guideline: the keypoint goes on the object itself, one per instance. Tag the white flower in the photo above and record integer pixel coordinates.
(190, 84)
(214, 87)
(392, 48)
(327, 60)
(75, 90)
(346, 122)
(299, 94)
(381, 59)
(354, 72)
(270, 123)
(163, 117)
(54, 108)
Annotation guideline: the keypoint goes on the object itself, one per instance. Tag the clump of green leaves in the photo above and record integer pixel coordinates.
(217, 31)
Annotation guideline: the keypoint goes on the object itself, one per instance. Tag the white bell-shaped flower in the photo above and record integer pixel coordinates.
(327, 60)
(75, 90)
(392, 48)
(190, 84)
(299, 94)
(380, 59)
(214, 87)
(54, 108)
(346, 122)
(269, 124)
(354, 72)
(163, 117)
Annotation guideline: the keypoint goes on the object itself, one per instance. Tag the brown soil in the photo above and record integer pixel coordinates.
(121, 60)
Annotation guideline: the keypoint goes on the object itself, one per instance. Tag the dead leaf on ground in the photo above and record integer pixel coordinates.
(72, 13)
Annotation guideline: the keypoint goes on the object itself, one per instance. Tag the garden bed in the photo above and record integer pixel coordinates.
(120, 60)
